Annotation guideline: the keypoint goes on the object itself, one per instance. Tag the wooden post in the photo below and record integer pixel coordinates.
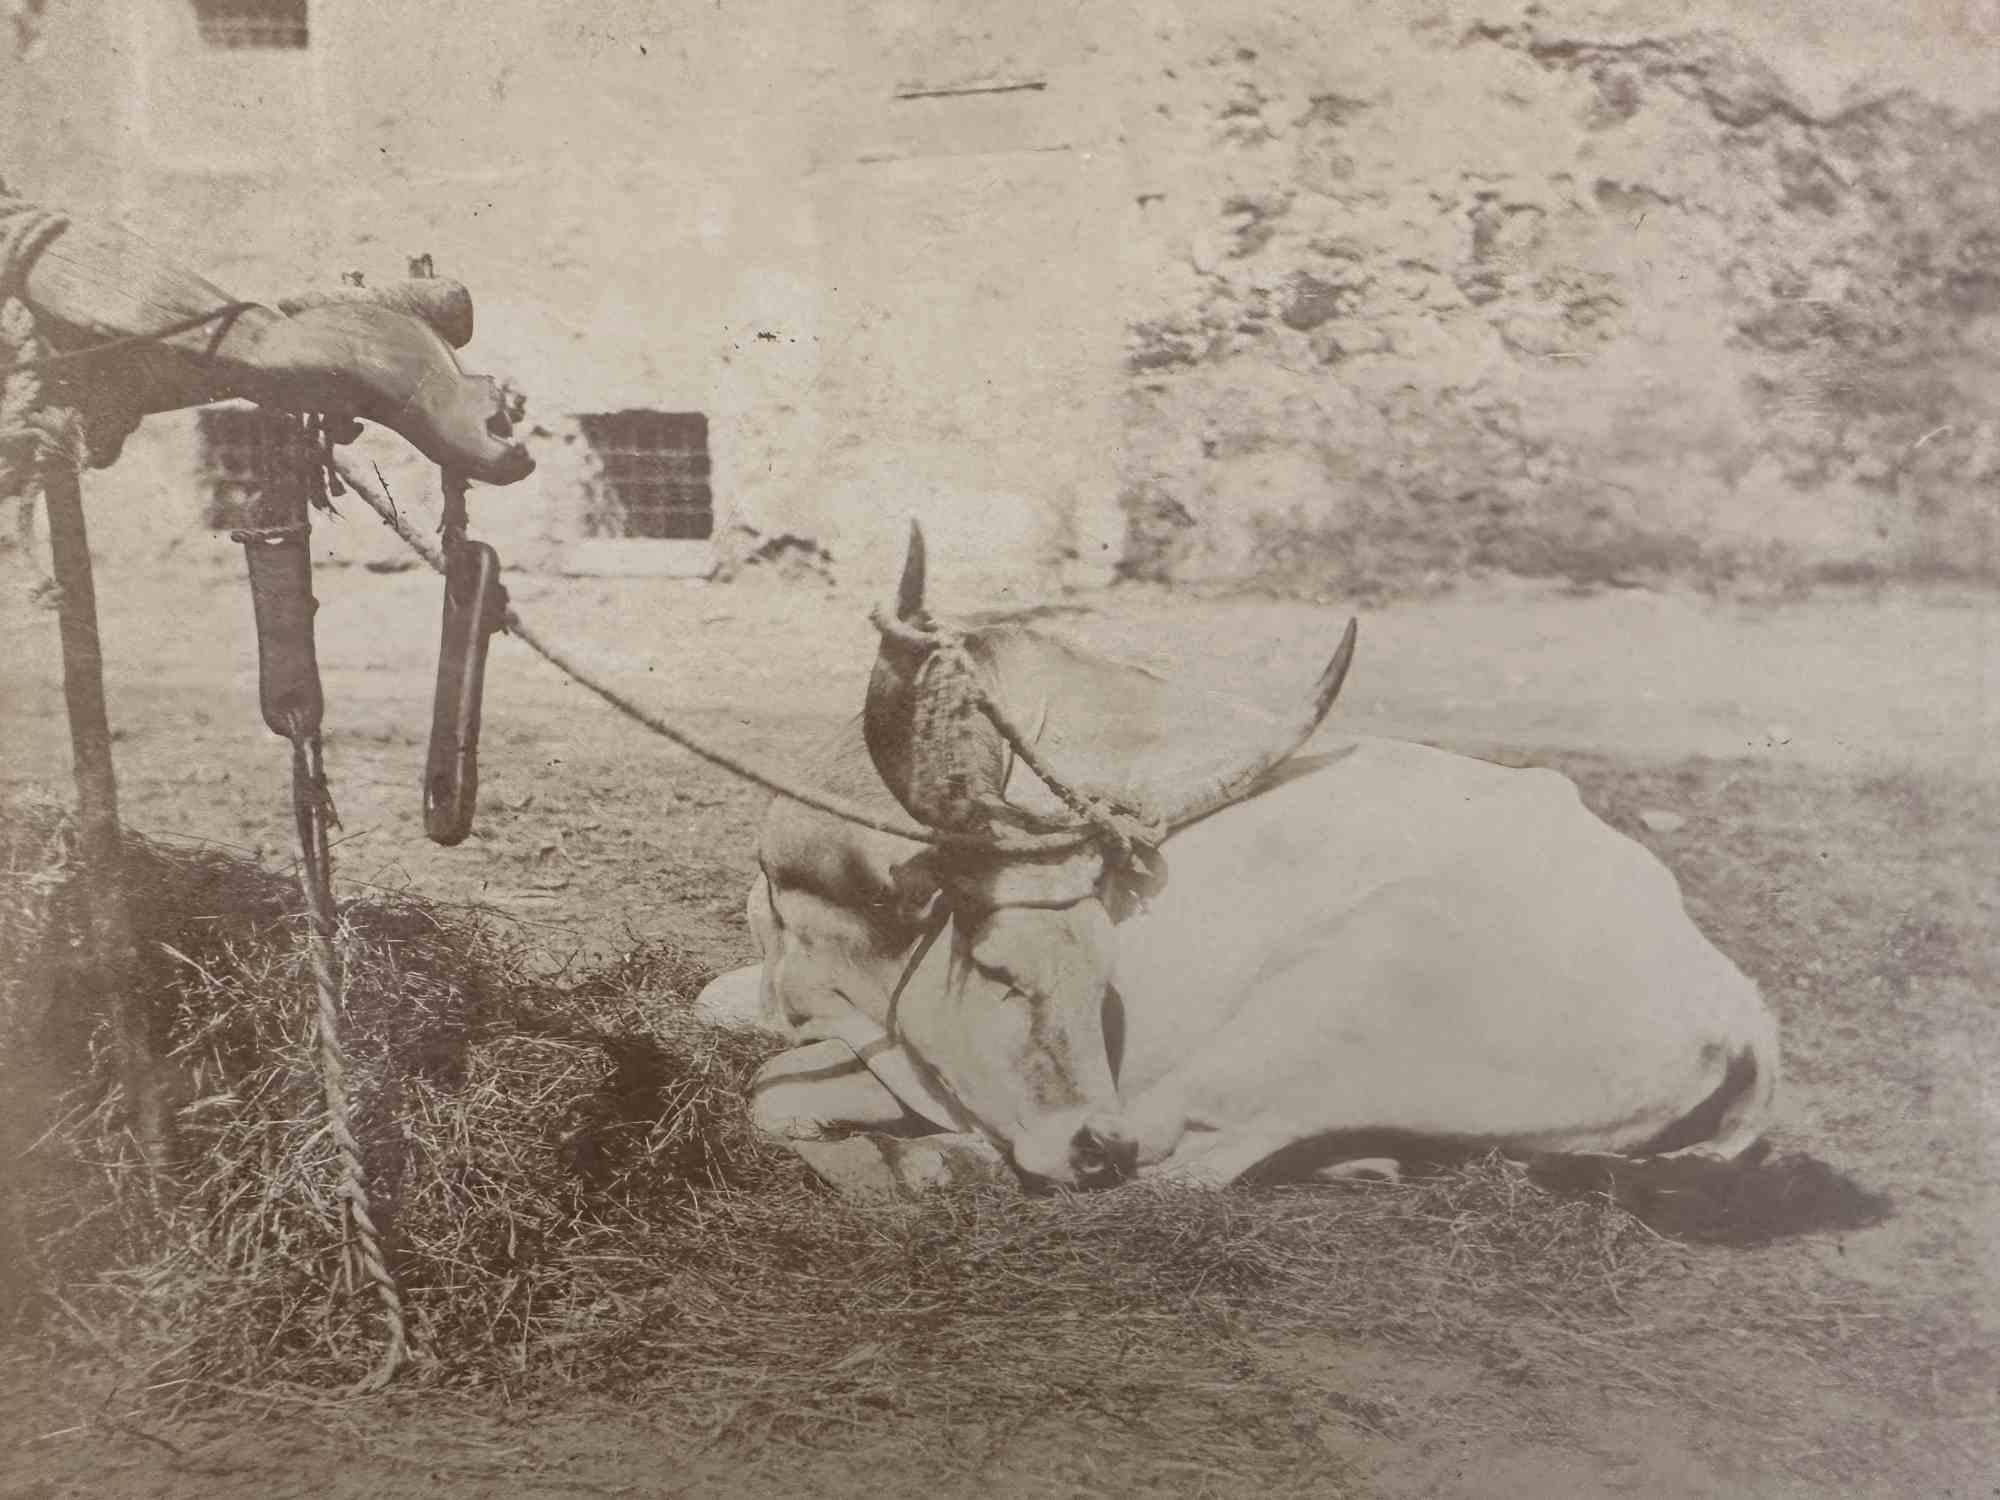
(112, 962)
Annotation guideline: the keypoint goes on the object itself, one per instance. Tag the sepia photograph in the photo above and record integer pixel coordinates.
(911, 749)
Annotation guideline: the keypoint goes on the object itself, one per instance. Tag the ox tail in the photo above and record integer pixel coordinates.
(1730, 1121)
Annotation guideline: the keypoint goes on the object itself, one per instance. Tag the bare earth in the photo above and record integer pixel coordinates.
(1839, 748)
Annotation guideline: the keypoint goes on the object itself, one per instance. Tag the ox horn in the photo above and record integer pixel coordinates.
(1183, 804)
(910, 590)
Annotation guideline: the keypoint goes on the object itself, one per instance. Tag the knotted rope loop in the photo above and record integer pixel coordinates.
(33, 430)
(916, 636)
(453, 522)
(84, 421)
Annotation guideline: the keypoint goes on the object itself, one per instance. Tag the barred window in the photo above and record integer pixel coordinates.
(653, 475)
(246, 456)
(235, 24)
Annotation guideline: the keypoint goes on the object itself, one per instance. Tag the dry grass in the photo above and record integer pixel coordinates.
(578, 1204)
(575, 1195)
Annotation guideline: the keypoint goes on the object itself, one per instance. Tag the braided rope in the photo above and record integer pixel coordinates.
(28, 417)
(31, 433)
(313, 813)
(312, 810)
(26, 437)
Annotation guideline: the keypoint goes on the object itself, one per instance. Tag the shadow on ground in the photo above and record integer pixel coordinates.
(1751, 1201)
(1760, 1197)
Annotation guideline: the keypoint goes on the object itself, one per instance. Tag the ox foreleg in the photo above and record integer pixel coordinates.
(820, 1089)
(822, 1102)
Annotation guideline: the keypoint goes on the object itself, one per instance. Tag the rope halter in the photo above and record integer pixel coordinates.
(1130, 839)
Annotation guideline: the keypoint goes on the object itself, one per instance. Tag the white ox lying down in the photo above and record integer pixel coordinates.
(1384, 949)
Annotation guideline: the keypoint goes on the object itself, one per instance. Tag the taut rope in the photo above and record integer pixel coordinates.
(312, 809)
(375, 495)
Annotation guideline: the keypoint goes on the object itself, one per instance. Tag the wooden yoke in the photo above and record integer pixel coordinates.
(382, 354)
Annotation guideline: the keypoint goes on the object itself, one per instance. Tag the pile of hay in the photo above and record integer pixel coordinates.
(523, 1135)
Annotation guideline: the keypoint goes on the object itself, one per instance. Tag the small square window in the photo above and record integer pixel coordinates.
(247, 456)
(239, 24)
(653, 475)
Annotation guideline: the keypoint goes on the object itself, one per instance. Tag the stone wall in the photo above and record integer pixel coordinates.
(1558, 290)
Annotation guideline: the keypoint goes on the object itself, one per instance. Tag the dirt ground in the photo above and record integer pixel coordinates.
(1828, 766)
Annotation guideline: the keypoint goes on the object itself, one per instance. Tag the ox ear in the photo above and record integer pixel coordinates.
(1130, 884)
(910, 591)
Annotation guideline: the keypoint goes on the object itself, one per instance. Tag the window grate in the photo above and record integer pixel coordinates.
(234, 25)
(653, 478)
(247, 456)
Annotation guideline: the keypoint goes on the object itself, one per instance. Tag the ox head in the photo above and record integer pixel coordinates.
(1027, 1031)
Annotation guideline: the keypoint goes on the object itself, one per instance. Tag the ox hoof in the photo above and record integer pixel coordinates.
(947, 1161)
(874, 1170)
(854, 1168)
(1195, 1173)
(1363, 1169)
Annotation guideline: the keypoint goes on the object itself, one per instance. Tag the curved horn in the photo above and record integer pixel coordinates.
(1185, 804)
(910, 591)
